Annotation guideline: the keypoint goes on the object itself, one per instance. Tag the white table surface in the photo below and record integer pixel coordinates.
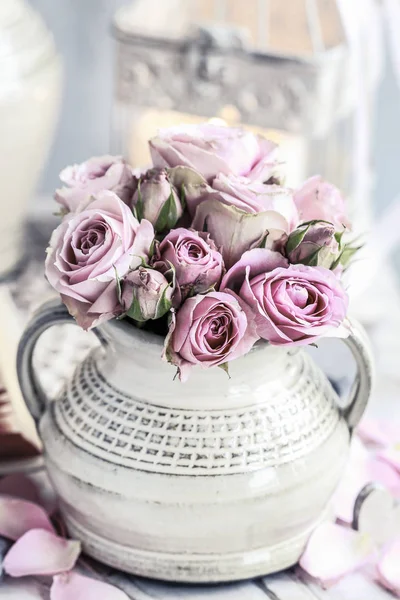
(385, 334)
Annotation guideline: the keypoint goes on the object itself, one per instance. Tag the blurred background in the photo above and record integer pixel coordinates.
(90, 77)
(83, 37)
(93, 57)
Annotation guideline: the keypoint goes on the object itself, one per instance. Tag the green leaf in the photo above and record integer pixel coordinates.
(61, 213)
(173, 271)
(225, 367)
(348, 253)
(183, 198)
(338, 237)
(139, 206)
(168, 214)
(336, 263)
(263, 243)
(135, 312)
(164, 305)
(345, 256)
(152, 249)
(297, 237)
(315, 222)
(119, 289)
(312, 259)
(143, 262)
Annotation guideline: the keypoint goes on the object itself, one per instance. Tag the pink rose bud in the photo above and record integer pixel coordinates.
(89, 251)
(93, 176)
(194, 257)
(211, 149)
(314, 245)
(157, 200)
(317, 199)
(209, 330)
(146, 294)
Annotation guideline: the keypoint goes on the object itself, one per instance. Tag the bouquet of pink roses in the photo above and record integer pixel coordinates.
(207, 248)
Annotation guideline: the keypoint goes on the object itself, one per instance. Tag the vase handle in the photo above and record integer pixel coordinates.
(360, 347)
(49, 314)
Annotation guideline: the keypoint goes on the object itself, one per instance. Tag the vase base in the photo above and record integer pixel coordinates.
(193, 568)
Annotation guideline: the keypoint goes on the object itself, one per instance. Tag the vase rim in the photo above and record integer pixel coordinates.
(125, 333)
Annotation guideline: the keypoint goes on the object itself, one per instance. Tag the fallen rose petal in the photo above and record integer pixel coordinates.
(19, 486)
(388, 568)
(334, 551)
(41, 552)
(379, 432)
(362, 468)
(72, 586)
(19, 516)
(383, 473)
(391, 456)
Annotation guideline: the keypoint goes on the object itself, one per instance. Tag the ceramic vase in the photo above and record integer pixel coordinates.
(216, 479)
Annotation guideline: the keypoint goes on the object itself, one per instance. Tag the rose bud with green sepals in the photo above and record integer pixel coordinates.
(313, 244)
(146, 294)
(157, 200)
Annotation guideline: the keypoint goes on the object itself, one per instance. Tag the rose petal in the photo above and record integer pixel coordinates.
(212, 150)
(259, 260)
(391, 456)
(41, 552)
(19, 486)
(72, 586)
(362, 468)
(388, 568)
(235, 231)
(379, 432)
(334, 551)
(19, 516)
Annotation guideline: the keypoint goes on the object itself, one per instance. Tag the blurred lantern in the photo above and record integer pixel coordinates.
(288, 69)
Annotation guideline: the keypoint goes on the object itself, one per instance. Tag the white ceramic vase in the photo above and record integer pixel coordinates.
(30, 94)
(216, 479)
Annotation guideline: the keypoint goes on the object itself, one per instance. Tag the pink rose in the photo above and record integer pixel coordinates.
(211, 149)
(89, 250)
(239, 215)
(293, 304)
(93, 176)
(209, 331)
(197, 263)
(319, 200)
